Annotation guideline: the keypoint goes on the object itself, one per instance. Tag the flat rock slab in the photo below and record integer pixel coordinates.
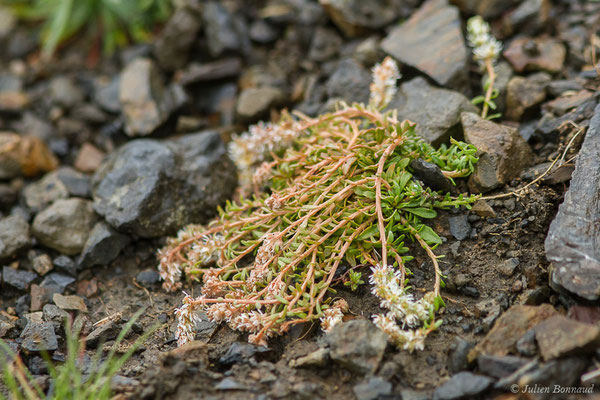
(432, 41)
(560, 336)
(573, 241)
(539, 54)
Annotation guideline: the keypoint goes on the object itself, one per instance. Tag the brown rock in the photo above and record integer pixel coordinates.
(87, 288)
(69, 302)
(483, 209)
(485, 8)
(560, 336)
(39, 297)
(13, 101)
(24, 155)
(431, 41)
(89, 158)
(539, 54)
(502, 152)
(524, 93)
(509, 328)
(256, 102)
(42, 264)
(567, 102)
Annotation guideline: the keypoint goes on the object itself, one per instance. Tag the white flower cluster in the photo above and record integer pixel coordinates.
(402, 308)
(383, 86)
(274, 202)
(485, 46)
(333, 315)
(203, 252)
(271, 243)
(252, 147)
(187, 319)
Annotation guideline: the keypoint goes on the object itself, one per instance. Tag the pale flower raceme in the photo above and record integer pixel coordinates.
(485, 46)
(187, 318)
(333, 315)
(383, 86)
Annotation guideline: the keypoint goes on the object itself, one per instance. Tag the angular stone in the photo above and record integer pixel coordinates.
(102, 246)
(39, 195)
(523, 94)
(563, 373)
(39, 336)
(566, 103)
(509, 328)
(572, 241)
(502, 152)
(433, 33)
(56, 283)
(435, 111)
(24, 155)
(486, 8)
(17, 278)
(64, 92)
(325, 44)
(355, 17)
(357, 345)
(153, 188)
(499, 367)
(39, 297)
(14, 236)
(350, 82)
(431, 175)
(529, 18)
(459, 227)
(255, 103)
(483, 209)
(539, 54)
(69, 302)
(42, 264)
(65, 225)
(13, 101)
(224, 31)
(372, 389)
(462, 385)
(88, 158)
(560, 336)
(507, 267)
(206, 72)
(172, 47)
(145, 101)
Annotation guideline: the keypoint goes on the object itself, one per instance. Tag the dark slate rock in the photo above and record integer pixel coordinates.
(431, 175)
(148, 277)
(325, 44)
(40, 194)
(17, 278)
(357, 345)
(240, 352)
(461, 385)
(172, 46)
(572, 241)
(224, 31)
(457, 358)
(459, 226)
(56, 283)
(65, 225)
(65, 264)
(372, 389)
(39, 336)
(103, 245)
(262, 32)
(433, 33)
(435, 111)
(355, 17)
(8, 196)
(350, 82)
(220, 69)
(14, 236)
(65, 92)
(499, 367)
(106, 95)
(77, 184)
(152, 188)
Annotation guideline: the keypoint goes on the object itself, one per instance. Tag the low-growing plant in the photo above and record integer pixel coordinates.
(115, 21)
(486, 50)
(320, 193)
(68, 380)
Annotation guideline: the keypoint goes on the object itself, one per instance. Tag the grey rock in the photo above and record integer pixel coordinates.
(102, 246)
(224, 31)
(355, 17)
(507, 267)
(529, 18)
(240, 352)
(106, 95)
(431, 175)
(151, 188)
(572, 241)
(325, 44)
(206, 72)
(173, 45)
(229, 384)
(8, 196)
(461, 385)
(567, 102)
(317, 358)
(56, 283)
(65, 93)
(148, 277)
(357, 345)
(459, 226)
(17, 278)
(499, 367)
(557, 87)
(39, 195)
(457, 357)
(435, 111)
(349, 82)
(262, 32)
(255, 103)
(560, 336)
(14, 236)
(65, 264)
(145, 101)
(52, 313)
(39, 336)
(372, 388)
(103, 333)
(502, 152)
(485, 8)
(522, 94)
(65, 225)
(77, 184)
(526, 345)
(433, 33)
